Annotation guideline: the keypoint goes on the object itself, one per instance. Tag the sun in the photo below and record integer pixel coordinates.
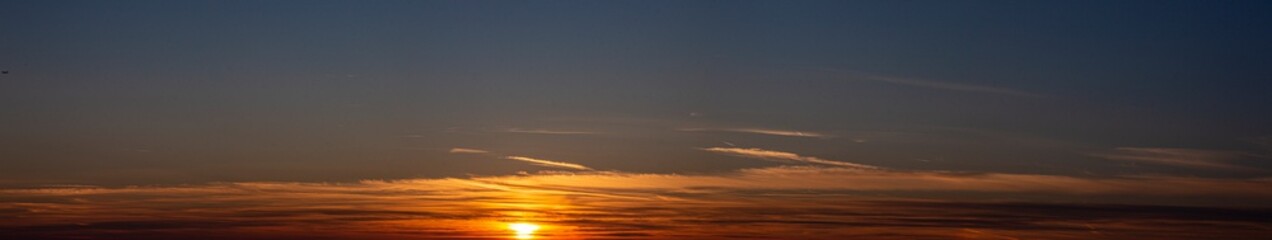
(523, 230)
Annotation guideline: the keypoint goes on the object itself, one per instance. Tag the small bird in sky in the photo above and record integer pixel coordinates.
(4, 72)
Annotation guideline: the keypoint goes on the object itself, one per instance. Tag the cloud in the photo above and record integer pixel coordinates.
(937, 84)
(468, 151)
(783, 157)
(774, 132)
(551, 132)
(1264, 143)
(788, 202)
(857, 179)
(1184, 157)
(535, 161)
(549, 163)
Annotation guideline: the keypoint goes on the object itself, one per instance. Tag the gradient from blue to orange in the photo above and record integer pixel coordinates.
(992, 107)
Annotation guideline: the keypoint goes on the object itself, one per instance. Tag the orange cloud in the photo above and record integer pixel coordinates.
(782, 156)
(774, 132)
(549, 163)
(468, 150)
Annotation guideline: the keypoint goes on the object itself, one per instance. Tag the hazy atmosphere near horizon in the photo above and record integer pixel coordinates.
(635, 119)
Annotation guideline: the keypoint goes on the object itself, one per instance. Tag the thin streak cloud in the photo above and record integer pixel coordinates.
(535, 161)
(1183, 157)
(937, 84)
(779, 156)
(773, 132)
(468, 151)
(550, 132)
(549, 163)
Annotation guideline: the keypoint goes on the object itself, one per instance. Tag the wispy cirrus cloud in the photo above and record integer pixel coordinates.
(549, 163)
(855, 179)
(774, 132)
(468, 151)
(535, 161)
(923, 83)
(1265, 144)
(550, 131)
(1183, 157)
(771, 155)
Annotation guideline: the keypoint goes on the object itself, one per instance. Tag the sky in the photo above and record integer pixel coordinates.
(636, 119)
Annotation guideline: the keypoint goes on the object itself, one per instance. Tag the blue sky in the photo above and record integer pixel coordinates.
(295, 91)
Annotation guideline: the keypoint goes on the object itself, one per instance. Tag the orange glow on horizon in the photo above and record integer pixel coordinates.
(523, 230)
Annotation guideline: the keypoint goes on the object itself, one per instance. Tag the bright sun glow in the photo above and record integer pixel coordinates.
(523, 230)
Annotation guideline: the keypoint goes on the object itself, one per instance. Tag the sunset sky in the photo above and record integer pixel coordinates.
(636, 120)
